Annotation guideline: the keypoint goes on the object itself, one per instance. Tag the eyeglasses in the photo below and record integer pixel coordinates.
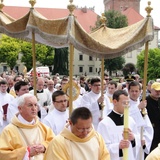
(61, 101)
(96, 85)
(84, 129)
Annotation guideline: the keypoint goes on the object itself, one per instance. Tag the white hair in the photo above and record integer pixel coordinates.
(22, 99)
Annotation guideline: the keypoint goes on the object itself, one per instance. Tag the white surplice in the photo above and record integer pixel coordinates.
(142, 123)
(112, 135)
(56, 120)
(5, 98)
(89, 100)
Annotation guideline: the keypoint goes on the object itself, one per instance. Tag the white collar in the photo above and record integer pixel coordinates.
(121, 115)
(21, 119)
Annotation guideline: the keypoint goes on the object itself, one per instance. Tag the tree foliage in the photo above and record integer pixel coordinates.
(9, 50)
(153, 71)
(114, 64)
(128, 69)
(61, 61)
(114, 20)
(44, 54)
(26, 50)
(11, 47)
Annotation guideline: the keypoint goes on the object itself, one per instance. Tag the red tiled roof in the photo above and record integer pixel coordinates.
(86, 19)
(134, 17)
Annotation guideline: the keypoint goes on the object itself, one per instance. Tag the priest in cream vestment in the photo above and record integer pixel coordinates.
(155, 154)
(78, 140)
(25, 138)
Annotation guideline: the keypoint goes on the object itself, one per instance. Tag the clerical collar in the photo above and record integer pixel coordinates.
(21, 119)
(121, 115)
(41, 91)
(116, 118)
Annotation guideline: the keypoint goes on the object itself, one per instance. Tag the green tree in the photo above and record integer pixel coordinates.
(9, 50)
(61, 61)
(114, 20)
(44, 54)
(128, 69)
(11, 47)
(114, 64)
(26, 50)
(153, 71)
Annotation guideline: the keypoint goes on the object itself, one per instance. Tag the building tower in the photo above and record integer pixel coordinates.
(121, 5)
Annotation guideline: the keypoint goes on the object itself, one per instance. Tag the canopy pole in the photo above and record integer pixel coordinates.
(102, 85)
(102, 76)
(145, 71)
(144, 112)
(70, 79)
(34, 63)
(33, 2)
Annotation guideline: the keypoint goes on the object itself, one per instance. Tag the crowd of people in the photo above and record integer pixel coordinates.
(39, 126)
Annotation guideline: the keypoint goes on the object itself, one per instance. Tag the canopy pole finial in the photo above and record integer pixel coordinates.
(103, 19)
(71, 7)
(1, 5)
(149, 9)
(32, 2)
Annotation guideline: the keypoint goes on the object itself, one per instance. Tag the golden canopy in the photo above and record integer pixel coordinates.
(103, 43)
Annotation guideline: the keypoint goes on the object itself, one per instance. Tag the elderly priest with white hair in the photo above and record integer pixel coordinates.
(25, 138)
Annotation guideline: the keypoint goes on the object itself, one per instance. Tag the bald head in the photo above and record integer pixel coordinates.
(40, 83)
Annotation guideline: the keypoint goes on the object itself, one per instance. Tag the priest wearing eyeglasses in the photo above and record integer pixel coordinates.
(78, 140)
(57, 118)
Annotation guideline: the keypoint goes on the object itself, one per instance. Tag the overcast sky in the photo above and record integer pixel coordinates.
(98, 4)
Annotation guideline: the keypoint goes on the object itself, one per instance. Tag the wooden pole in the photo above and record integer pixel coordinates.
(144, 112)
(102, 84)
(34, 62)
(70, 79)
(145, 70)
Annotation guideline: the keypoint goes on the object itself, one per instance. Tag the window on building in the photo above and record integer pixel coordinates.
(4, 68)
(80, 69)
(80, 57)
(90, 58)
(90, 69)
(16, 68)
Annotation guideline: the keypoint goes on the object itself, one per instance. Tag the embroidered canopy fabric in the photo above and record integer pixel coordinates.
(103, 43)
